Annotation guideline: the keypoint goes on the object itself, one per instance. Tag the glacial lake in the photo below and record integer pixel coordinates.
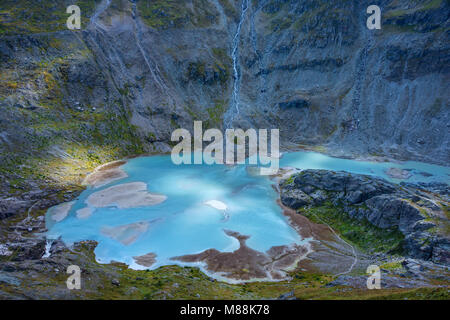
(185, 224)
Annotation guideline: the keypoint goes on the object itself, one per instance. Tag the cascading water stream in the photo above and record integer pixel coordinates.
(48, 246)
(235, 57)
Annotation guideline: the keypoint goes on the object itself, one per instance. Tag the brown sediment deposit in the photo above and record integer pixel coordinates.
(127, 195)
(126, 234)
(284, 173)
(325, 253)
(305, 227)
(146, 260)
(59, 213)
(329, 254)
(248, 264)
(84, 213)
(105, 174)
(111, 165)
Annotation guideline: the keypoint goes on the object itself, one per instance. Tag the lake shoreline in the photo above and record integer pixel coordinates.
(296, 221)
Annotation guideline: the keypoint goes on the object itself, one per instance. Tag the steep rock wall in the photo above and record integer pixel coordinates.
(140, 69)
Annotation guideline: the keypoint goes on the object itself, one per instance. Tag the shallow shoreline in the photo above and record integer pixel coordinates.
(127, 195)
(105, 174)
(246, 264)
(302, 225)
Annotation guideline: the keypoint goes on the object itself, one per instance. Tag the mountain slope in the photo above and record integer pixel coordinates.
(140, 69)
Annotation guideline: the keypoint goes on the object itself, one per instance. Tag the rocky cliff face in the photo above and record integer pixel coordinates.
(140, 69)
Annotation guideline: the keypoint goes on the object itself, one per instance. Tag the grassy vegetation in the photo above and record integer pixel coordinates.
(193, 284)
(198, 71)
(229, 9)
(222, 64)
(361, 233)
(320, 149)
(212, 118)
(432, 4)
(28, 16)
(436, 107)
(162, 14)
(282, 23)
(215, 114)
(393, 14)
(336, 15)
(419, 6)
(446, 210)
(394, 265)
(56, 143)
(175, 282)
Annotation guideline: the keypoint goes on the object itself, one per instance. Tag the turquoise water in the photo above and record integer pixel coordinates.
(313, 160)
(183, 224)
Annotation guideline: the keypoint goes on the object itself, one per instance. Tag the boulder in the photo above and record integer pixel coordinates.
(295, 199)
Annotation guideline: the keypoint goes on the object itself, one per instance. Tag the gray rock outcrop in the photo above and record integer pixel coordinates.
(381, 203)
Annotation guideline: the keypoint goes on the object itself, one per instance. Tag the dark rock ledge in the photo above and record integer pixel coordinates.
(420, 215)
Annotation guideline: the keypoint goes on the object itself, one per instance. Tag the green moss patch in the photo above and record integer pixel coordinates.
(163, 14)
(361, 233)
(29, 16)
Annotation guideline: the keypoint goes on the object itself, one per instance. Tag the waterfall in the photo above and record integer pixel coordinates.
(235, 57)
(48, 246)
